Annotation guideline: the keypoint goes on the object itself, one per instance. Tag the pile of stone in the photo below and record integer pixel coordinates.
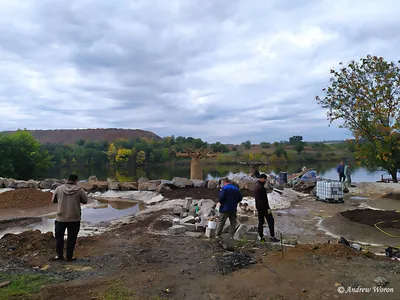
(194, 216)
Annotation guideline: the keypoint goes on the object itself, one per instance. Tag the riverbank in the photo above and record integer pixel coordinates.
(136, 257)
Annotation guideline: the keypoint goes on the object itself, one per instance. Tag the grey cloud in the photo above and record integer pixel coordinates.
(220, 70)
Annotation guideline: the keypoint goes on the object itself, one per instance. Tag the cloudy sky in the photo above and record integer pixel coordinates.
(220, 70)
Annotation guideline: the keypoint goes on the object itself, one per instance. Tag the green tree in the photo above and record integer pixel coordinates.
(141, 157)
(21, 156)
(280, 151)
(294, 140)
(265, 145)
(246, 144)
(365, 96)
(299, 147)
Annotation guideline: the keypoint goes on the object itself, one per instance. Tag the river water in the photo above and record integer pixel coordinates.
(325, 170)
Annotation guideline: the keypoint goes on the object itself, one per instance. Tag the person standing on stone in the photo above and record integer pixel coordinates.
(229, 198)
(340, 171)
(68, 197)
(263, 209)
(347, 174)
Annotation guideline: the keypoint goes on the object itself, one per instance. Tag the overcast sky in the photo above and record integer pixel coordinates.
(219, 70)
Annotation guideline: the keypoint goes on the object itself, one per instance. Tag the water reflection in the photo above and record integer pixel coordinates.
(326, 170)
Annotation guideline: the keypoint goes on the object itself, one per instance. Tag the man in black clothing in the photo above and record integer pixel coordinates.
(264, 211)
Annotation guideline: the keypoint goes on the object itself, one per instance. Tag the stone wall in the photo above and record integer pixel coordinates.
(143, 184)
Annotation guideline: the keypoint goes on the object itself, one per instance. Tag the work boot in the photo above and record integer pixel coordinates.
(273, 239)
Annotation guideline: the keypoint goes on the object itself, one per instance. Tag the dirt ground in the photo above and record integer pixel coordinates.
(24, 198)
(389, 219)
(134, 262)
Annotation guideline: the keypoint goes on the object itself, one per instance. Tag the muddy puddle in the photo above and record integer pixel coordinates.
(94, 216)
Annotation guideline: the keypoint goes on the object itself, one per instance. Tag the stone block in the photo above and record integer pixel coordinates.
(143, 184)
(176, 221)
(212, 184)
(93, 178)
(22, 184)
(243, 218)
(187, 203)
(199, 227)
(197, 220)
(128, 186)
(227, 226)
(180, 182)
(176, 229)
(113, 186)
(47, 183)
(190, 227)
(1, 182)
(177, 211)
(152, 186)
(188, 219)
(210, 232)
(240, 232)
(197, 183)
(184, 215)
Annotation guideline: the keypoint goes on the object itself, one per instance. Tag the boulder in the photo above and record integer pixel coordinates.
(93, 178)
(212, 184)
(180, 182)
(143, 184)
(161, 188)
(188, 219)
(153, 184)
(6, 181)
(153, 200)
(250, 185)
(113, 185)
(176, 229)
(47, 183)
(89, 186)
(128, 186)
(197, 183)
(56, 185)
(102, 185)
(242, 233)
(22, 184)
(12, 184)
(33, 184)
(1, 182)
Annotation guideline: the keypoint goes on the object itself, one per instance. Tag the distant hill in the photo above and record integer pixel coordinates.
(70, 136)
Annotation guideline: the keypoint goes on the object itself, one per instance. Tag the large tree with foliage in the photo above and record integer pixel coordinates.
(294, 140)
(21, 156)
(365, 96)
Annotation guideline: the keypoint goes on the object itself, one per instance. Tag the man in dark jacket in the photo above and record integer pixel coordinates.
(264, 211)
(68, 197)
(340, 171)
(229, 198)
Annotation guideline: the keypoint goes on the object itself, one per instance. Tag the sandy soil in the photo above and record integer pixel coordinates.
(24, 198)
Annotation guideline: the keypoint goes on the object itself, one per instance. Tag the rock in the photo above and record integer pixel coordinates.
(143, 184)
(176, 221)
(87, 186)
(33, 184)
(153, 200)
(128, 186)
(47, 183)
(212, 184)
(188, 219)
(227, 226)
(199, 227)
(250, 185)
(102, 185)
(176, 229)
(184, 215)
(242, 233)
(292, 242)
(11, 184)
(2, 183)
(152, 185)
(180, 182)
(93, 178)
(197, 183)
(190, 227)
(4, 284)
(188, 202)
(113, 186)
(243, 218)
(22, 184)
(6, 181)
(161, 188)
(210, 232)
(57, 184)
(177, 211)
(381, 281)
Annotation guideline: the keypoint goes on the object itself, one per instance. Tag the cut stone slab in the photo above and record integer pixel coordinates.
(199, 227)
(241, 232)
(187, 203)
(181, 182)
(177, 211)
(188, 219)
(210, 232)
(197, 183)
(227, 226)
(190, 227)
(243, 218)
(176, 229)
(292, 242)
(153, 184)
(176, 221)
